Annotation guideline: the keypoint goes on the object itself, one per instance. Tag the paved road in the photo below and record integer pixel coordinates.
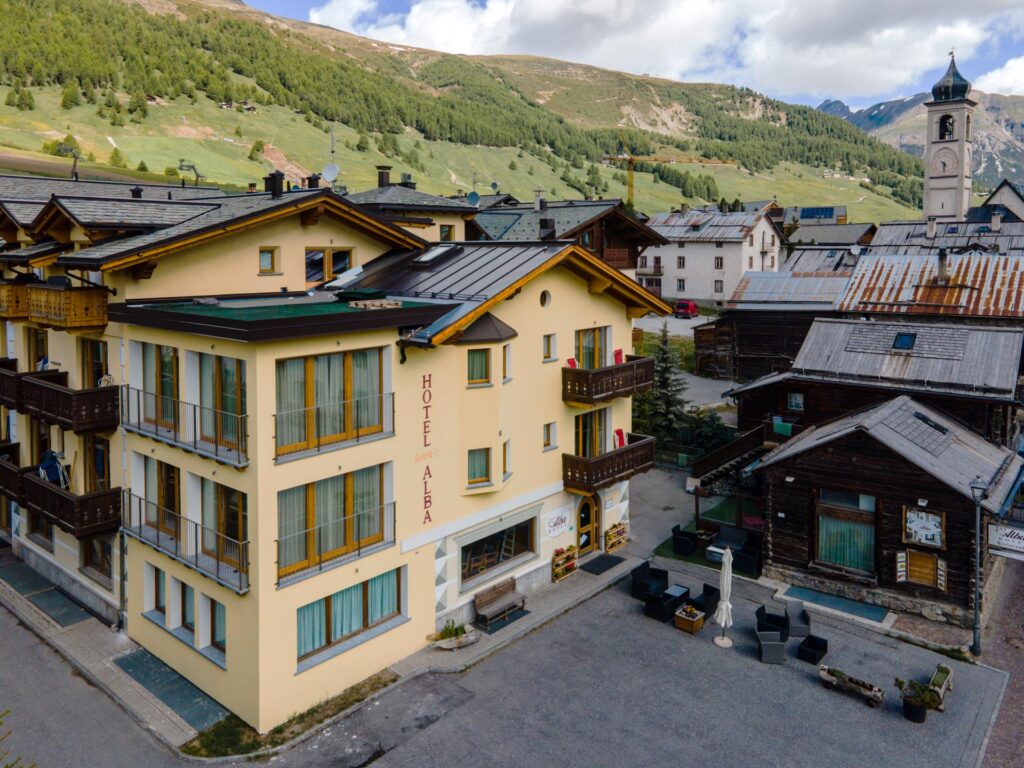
(57, 719)
(677, 326)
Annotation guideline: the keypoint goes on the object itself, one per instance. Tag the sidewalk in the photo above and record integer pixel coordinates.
(92, 648)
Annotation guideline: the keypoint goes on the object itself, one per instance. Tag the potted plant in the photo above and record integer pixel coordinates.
(918, 698)
(453, 636)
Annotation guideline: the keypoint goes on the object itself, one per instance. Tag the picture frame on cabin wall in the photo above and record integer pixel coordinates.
(924, 527)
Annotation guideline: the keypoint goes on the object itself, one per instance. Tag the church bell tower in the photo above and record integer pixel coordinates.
(947, 170)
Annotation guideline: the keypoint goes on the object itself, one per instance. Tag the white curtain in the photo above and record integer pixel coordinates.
(208, 394)
(367, 502)
(210, 516)
(291, 402)
(312, 627)
(330, 514)
(329, 394)
(366, 387)
(382, 599)
(291, 526)
(346, 612)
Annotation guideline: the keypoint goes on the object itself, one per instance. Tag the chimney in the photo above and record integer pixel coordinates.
(273, 183)
(539, 203)
(407, 181)
(136, 192)
(547, 229)
(383, 175)
(942, 277)
(997, 221)
(930, 231)
(252, 187)
(684, 208)
(313, 181)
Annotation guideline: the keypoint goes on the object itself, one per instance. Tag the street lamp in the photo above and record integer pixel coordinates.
(979, 490)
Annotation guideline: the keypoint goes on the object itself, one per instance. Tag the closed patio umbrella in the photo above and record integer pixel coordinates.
(723, 615)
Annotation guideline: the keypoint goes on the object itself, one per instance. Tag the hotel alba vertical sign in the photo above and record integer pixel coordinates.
(426, 396)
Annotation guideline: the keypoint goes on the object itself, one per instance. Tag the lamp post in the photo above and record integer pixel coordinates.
(979, 490)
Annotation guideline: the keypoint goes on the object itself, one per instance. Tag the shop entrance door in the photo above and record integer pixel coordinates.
(588, 524)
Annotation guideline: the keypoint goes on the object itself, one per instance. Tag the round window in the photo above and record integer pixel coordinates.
(545, 298)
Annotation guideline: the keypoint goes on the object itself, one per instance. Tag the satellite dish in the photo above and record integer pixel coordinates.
(494, 186)
(473, 198)
(330, 173)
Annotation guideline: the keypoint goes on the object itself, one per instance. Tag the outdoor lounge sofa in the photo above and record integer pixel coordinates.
(771, 648)
(798, 618)
(707, 600)
(648, 580)
(684, 542)
(772, 622)
(729, 536)
(812, 650)
(663, 605)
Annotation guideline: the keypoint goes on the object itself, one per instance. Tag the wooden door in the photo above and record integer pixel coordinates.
(588, 524)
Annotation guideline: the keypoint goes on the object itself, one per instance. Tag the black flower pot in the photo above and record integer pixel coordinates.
(915, 713)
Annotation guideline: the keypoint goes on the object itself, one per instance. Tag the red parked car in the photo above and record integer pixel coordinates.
(686, 308)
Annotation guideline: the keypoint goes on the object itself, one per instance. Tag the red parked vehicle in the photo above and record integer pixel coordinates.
(686, 308)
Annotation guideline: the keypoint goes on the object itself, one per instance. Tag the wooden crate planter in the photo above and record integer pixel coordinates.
(836, 679)
(67, 308)
(563, 563)
(616, 537)
(689, 621)
(13, 301)
(942, 683)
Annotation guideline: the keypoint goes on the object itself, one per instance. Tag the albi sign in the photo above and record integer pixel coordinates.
(1006, 540)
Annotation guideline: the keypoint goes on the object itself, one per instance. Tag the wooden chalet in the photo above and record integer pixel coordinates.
(877, 506)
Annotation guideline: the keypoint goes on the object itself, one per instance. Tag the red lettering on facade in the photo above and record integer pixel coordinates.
(427, 396)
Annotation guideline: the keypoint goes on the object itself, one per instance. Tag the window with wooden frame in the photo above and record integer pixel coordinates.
(94, 362)
(222, 400)
(680, 262)
(719, 262)
(324, 264)
(159, 591)
(160, 385)
(506, 459)
(479, 466)
(845, 529)
(36, 348)
(923, 568)
(162, 491)
(795, 401)
(5, 514)
(478, 366)
(591, 347)
(268, 261)
(506, 362)
(40, 528)
(97, 463)
(225, 522)
(97, 555)
(550, 435)
(188, 606)
(719, 286)
(345, 614)
(330, 518)
(549, 347)
(591, 433)
(39, 439)
(329, 399)
(218, 626)
(447, 233)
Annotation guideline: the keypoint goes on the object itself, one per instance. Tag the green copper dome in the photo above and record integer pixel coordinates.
(953, 86)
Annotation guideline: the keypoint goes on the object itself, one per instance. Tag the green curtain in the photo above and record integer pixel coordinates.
(291, 402)
(232, 398)
(329, 394)
(207, 394)
(382, 598)
(152, 513)
(312, 627)
(291, 526)
(161, 595)
(846, 543)
(478, 469)
(188, 608)
(477, 360)
(346, 612)
(366, 387)
(367, 502)
(149, 381)
(220, 625)
(330, 514)
(210, 522)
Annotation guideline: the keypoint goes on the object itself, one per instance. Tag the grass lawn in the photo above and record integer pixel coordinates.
(681, 345)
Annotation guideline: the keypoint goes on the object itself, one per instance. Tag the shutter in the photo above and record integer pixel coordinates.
(940, 577)
(901, 566)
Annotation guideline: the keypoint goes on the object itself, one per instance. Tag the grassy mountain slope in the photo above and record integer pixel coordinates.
(445, 118)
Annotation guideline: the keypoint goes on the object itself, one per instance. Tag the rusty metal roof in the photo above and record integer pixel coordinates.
(976, 285)
(787, 291)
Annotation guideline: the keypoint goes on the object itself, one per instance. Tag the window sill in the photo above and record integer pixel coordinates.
(346, 645)
(41, 541)
(550, 360)
(270, 274)
(331, 447)
(550, 448)
(308, 573)
(187, 638)
(479, 580)
(98, 577)
(479, 385)
(505, 477)
(506, 380)
(479, 486)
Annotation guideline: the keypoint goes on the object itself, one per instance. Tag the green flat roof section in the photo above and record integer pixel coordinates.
(281, 311)
(192, 705)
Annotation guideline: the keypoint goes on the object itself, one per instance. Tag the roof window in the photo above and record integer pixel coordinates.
(904, 341)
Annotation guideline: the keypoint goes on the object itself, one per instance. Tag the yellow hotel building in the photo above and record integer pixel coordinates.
(281, 440)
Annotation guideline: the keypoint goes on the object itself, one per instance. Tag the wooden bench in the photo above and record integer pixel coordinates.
(497, 602)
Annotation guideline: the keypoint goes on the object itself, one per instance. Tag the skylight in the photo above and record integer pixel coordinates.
(904, 341)
(437, 252)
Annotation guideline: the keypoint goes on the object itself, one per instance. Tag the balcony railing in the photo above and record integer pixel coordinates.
(334, 543)
(81, 515)
(11, 383)
(334, 425)
(13, 300)
(223, 559)
(585, 387)
(654, 270)
(11, 472)
(581, 474)
(58, 306)
(81, 410)
(743, 449)
(215, 434)
(618, 258)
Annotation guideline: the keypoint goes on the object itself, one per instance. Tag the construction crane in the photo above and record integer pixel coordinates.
(631, 160)
(185, 165)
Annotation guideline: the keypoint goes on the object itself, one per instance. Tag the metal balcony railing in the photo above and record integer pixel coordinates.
(334, 425)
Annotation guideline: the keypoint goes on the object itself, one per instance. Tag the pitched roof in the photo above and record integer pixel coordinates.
(978, 285)
(704, 226)
(523, 222)
(489, 201)
(830, 234)
(230, 212)
(910, 238)
(22, 256)
(395, 197)
(788, 291)
(487, 329)
(967, 360)
(106, 213)
(43, 187)
(21, 212)
(479, 274)
(807, 260)
(938, 445)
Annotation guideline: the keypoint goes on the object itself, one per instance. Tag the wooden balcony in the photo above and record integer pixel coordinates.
(11, 381)
(13, 300)
(585, 475)
(81, 410)
(742, 451)
(619, 258)
(67, 309)
(10, 472)
(81, 516)
(585, 387)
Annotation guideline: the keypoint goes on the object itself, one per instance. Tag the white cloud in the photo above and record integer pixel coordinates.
(1009, 78)
(819, 48)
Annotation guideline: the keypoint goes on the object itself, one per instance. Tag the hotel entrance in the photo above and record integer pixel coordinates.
(588, 524)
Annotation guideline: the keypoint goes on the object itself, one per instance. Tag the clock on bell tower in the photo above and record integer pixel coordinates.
(947, 172)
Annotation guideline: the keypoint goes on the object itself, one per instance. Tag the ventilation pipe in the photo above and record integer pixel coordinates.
(997, 221)
(136, 192)
(273, 183)
(943, 277)
(313, 181)
(930, 228)
(539, 203)
(383, 175)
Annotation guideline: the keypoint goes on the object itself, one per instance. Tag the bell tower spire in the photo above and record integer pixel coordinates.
(947, 172)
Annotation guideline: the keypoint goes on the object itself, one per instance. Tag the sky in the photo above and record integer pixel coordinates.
(861, 51)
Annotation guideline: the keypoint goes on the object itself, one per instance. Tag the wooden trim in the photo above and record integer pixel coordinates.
(487, 366)
(479, 480)
(275, 253)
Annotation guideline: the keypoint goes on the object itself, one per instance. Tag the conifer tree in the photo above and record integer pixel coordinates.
(661, 412)
(70, 96)
(117, 159)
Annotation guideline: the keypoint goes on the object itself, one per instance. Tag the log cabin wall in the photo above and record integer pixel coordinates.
(824, 402)
(858, 463)
(768, 342)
